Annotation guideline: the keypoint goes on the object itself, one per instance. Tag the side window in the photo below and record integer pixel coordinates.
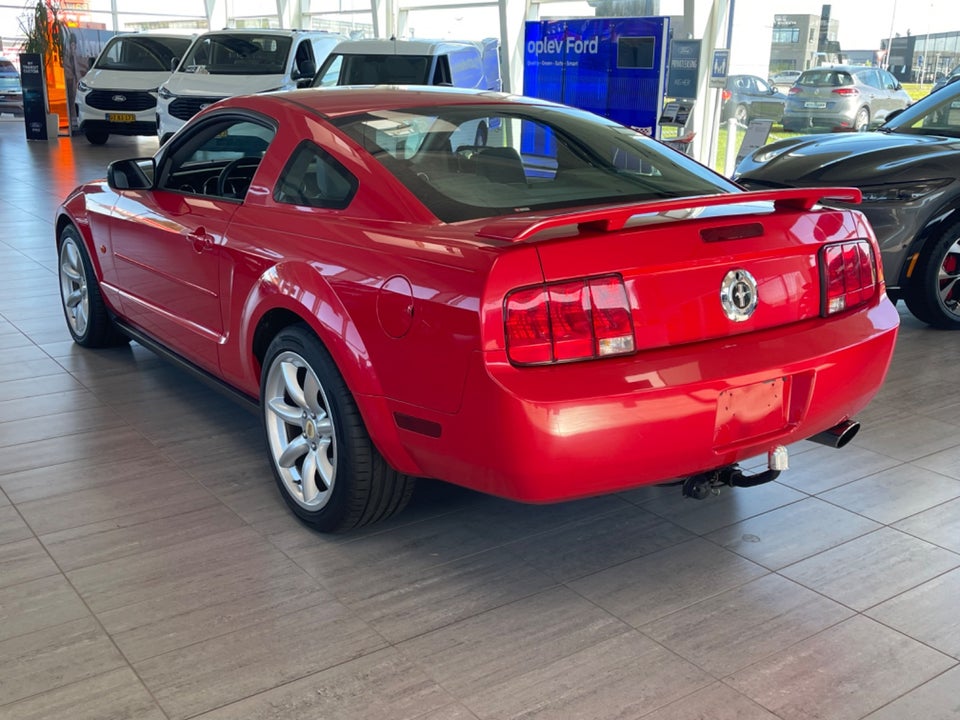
(869, 77)
(219, 159)
(313, 177)
(304, 65)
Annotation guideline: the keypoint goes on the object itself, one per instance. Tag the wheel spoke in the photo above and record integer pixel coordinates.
(74, 298)
(80, 317)
(324, 424)
(311, 392)
(308, 477)
(293, 452)
(292, 383)
(324, 466)
(287, 413)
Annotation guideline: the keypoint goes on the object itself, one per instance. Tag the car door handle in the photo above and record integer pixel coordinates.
(200, 239)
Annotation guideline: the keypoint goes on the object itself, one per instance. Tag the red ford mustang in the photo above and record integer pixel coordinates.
(499, 292)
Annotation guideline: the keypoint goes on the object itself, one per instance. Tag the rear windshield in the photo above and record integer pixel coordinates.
(467, 162)
(246, 54)
(142, 54)
(375, 70)
(830, 78)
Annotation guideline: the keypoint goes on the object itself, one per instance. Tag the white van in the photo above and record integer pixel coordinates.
(225, 63)
(118, 95)
(460, 63)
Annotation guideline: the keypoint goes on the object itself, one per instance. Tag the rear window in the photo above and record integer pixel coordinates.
(830, 78)
(468, 162)
(350, 69)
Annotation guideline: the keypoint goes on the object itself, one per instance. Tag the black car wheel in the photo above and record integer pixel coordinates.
(862, 121)
(87, 317)
(96, 137)
(328, 470)
(933, 293)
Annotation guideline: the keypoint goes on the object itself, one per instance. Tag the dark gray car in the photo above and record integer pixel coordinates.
(842, 97)
(748, 97)
(908, 171)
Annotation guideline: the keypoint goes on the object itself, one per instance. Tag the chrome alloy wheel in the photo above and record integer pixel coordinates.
(948, 277)
(300, 431)
(73, 287)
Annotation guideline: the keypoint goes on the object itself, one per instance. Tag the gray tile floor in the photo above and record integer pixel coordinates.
(149, 569)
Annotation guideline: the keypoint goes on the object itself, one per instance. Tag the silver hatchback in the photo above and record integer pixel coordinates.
(842, 97)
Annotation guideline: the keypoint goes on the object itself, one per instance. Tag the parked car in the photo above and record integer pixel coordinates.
(952, 77)
(11, 93)
(567, 309)
(784, 78)
(907, 171)
(459, 63)
(118, 95)
(842, 97)
(747, 97)
(233, 62)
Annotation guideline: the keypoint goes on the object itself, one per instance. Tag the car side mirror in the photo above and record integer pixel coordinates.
(305, 70)
(131, 174)
(892, 114)
(173, 63)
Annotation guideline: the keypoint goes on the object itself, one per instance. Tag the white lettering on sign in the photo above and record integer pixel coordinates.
(569, 44)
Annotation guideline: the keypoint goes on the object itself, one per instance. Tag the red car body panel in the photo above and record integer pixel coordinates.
(412, 311)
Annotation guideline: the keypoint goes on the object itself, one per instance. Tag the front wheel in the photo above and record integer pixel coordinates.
(96, 137)
(933, 292)
(86, 313)
(328, 470)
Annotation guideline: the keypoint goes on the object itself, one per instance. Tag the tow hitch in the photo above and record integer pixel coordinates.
(704, 484)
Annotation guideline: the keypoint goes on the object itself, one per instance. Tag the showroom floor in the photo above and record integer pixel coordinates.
(149, 568)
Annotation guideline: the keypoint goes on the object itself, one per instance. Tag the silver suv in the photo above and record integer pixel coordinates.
(842, 97)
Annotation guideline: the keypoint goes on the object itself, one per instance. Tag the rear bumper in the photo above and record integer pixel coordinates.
(562, 432)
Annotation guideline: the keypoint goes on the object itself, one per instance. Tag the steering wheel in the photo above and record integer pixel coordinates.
(224, 176)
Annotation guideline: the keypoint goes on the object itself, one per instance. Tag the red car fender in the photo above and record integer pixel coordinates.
(73, 211)
(300, 289)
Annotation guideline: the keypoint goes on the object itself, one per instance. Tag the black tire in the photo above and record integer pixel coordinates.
(862, 121)
(742, 114)
(311, 422)
(86, 314)
(96, 137)
(933, 292)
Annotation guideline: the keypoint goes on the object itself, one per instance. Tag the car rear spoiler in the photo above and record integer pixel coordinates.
(612, 219)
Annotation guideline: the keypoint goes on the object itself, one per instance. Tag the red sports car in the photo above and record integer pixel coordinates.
(498, 292)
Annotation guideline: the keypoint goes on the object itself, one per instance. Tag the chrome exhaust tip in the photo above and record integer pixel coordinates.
(839, 435)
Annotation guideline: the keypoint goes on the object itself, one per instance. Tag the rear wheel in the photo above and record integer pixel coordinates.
(96, 137)
(862, 121)
(933, 293)
(741, 114)
(328, 470)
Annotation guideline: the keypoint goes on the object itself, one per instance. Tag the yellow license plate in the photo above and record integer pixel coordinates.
(121, 117)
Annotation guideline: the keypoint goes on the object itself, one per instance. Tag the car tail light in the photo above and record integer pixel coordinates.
(794, 90)
(580, 319)
(725, 95)
(848, 276)
(846, 91)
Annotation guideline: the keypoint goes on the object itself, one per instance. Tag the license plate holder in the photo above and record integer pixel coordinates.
(815, 105)
(751, 411)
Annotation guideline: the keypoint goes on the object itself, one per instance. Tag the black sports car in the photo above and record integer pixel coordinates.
(909, 172)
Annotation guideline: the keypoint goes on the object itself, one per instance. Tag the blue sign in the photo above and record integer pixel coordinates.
(720, 68)
(610, 66)
(684, 69)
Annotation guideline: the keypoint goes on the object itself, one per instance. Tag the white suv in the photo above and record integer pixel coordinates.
(118, 95)
(224, 63)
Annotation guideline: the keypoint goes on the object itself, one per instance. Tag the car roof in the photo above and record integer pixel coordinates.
(400, 47)
(349, 100)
